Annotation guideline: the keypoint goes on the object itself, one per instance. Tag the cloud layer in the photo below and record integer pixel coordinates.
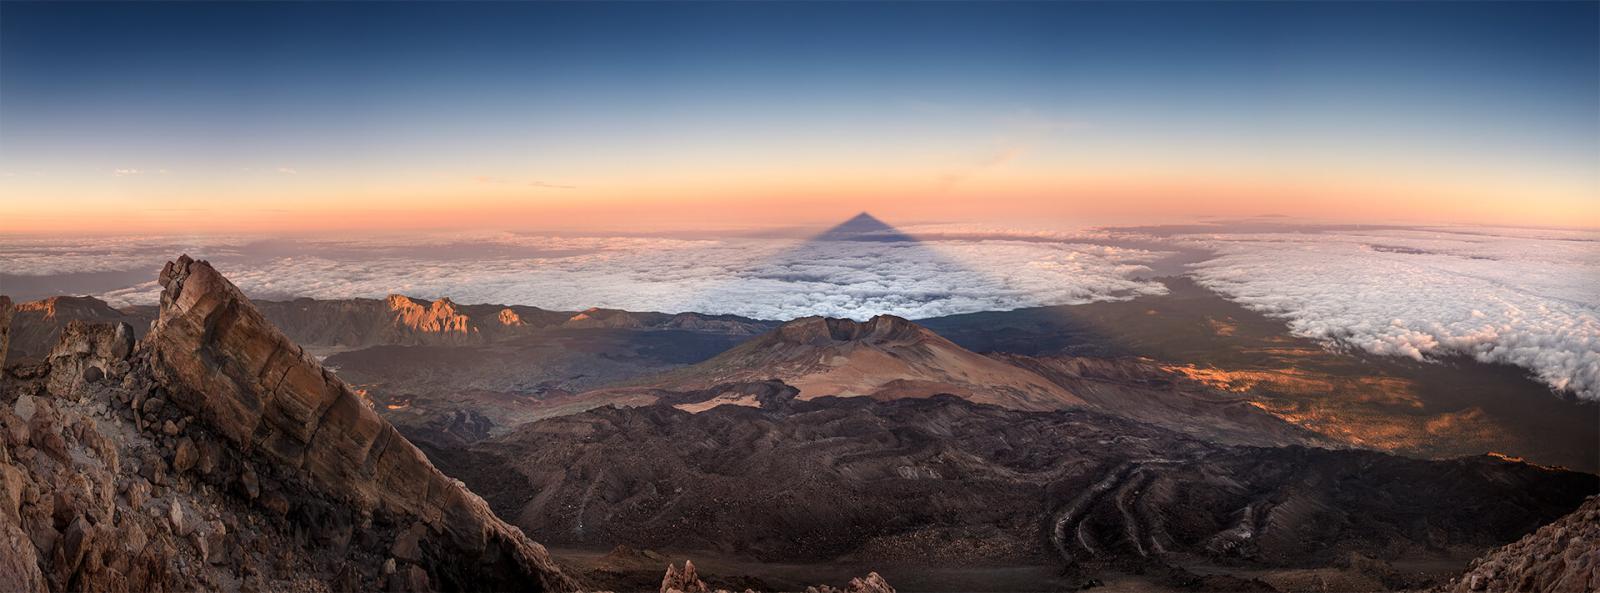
(763, 278)
(1530, 299)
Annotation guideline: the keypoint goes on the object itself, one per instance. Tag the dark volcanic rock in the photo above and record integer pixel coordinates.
(943, 480)
(223, 363)
(1146, 391)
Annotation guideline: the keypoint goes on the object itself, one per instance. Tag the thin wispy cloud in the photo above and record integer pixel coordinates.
(490, 180)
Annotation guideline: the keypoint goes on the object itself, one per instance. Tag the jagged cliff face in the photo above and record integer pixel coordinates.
(104, 488)
(215, 455)
(225, 364)
(1560, 557)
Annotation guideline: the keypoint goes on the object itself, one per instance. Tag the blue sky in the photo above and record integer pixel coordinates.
(352, 96)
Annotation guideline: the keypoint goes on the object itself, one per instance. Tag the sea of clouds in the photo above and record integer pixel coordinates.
(1525, 297)
(1513, 296)
(754, 277)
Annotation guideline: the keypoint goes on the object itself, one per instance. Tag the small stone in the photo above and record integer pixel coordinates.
(208, 458)
(180, 525)
(137, 493)
(25, 407)
(202, 546)
(152, 405)
(252, 485)
(186, 455)
(169, 428)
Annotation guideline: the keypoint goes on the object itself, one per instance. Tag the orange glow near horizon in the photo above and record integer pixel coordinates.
(757, 199)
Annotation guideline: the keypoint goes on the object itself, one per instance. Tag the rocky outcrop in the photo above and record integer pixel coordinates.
(36, 326)
(1560, 557)
(399, 320)
(436, 317)
(104, 489)
(685, 580)
(89, 353)
(872, 583)
(223, 363)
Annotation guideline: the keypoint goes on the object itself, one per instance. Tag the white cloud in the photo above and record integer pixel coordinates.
(126, 172)
(288, 171)
(757, 278)
(1527, 299)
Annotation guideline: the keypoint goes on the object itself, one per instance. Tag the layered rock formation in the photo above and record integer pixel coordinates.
(223, 363)
(103, 488)
(1560, 557)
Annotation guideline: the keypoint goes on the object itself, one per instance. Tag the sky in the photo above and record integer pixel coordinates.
(306, 117)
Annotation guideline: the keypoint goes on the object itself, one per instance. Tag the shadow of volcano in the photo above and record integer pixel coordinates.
(856, 269)
(865, 227)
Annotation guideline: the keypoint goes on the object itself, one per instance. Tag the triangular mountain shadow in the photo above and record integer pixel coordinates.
(863, 227)
(856, 269)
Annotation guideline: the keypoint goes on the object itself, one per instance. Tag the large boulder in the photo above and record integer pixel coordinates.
(89, 353)
(222, 362)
